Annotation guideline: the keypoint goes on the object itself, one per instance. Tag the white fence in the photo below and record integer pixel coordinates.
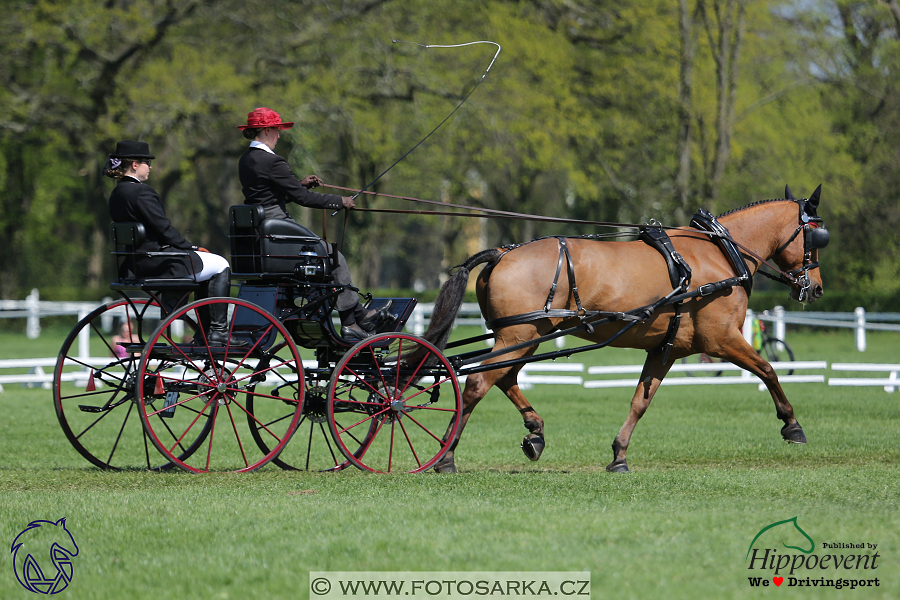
(553, 373)
(541, 373)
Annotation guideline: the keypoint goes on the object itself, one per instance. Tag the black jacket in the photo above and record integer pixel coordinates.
(267, 179)
(133, 201)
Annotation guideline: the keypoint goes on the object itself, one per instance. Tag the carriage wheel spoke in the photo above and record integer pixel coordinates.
(201, 386)
(386, 392)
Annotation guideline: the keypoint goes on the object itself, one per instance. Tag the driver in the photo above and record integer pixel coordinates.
(267, 180)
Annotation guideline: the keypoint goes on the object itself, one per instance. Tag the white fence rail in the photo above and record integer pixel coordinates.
(890, 383)
(546, 373)
(542, 373)
(33, 309)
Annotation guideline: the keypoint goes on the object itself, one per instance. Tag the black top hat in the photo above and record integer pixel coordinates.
(132, 149)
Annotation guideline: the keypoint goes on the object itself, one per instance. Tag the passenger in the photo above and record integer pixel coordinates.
(134, 201)
(127, 335)
(267, 180)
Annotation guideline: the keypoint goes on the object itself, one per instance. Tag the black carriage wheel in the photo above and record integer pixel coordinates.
(399, 396)
(182, 383)
(311, 447)
(99, 416)
(771, 352)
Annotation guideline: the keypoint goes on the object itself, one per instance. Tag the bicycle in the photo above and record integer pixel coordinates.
(767, 345)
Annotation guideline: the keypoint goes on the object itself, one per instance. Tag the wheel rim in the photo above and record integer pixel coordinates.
(389, 404)
(103, 424)
(182, 385)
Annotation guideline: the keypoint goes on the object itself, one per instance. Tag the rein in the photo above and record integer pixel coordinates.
(785, 277)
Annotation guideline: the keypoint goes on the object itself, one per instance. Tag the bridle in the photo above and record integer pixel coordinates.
(815, 237)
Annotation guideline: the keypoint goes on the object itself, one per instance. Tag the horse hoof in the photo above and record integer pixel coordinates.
(533, 446)
(617, 466)
(445, 465)
(793, 433)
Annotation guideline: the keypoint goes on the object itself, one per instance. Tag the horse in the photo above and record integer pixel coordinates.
(617, 276)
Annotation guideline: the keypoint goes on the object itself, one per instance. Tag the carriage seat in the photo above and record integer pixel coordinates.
(127, 237)
(273, 248)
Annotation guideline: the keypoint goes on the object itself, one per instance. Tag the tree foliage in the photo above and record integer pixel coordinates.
(594, 110)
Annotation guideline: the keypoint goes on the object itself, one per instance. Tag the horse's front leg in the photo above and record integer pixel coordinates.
(743, 355)
(651, 376)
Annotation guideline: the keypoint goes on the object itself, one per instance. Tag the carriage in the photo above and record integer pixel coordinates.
(392, 402)
(168, 397)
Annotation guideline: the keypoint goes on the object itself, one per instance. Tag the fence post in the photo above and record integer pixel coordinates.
(780, 332)
(860, 328)
(748, 335)
(894, 380)
(33, 324)
(84, 336)
(418, 320)
(106, 320)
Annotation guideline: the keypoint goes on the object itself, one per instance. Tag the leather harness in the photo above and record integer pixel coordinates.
(679, 271)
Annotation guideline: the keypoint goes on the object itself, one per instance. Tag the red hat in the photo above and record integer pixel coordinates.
(262, 118)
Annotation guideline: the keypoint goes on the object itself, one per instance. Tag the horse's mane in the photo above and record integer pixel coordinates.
(752, 204)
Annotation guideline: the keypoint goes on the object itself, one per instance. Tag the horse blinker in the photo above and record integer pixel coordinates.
(817, 238)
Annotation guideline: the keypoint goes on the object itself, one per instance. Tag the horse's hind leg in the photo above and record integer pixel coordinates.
(651, 376)
(743, 355)
(477, 386)
(533, 444)
(475, 390)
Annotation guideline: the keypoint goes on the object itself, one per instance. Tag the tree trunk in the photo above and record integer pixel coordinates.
(725, 38)
(685, 110)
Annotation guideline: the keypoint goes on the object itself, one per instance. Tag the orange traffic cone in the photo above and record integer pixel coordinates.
(159, 389)
(91, 385)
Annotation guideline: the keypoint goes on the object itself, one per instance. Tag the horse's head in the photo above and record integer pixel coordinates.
(798, 256)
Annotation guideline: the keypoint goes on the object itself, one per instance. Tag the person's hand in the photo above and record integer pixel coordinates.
(348, 202)
(310, 182)
(201, 249)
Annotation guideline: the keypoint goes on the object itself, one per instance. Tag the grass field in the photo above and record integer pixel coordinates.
(709, 471)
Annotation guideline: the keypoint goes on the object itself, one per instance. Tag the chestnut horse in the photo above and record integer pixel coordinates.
(620, 276)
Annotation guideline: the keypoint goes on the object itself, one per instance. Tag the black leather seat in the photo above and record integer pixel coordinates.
(270, 248)
(127, 237)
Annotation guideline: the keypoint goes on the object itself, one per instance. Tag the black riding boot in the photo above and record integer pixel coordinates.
(216, 316)
(350, 329)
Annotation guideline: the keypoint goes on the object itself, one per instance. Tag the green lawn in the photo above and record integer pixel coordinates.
(709, 471)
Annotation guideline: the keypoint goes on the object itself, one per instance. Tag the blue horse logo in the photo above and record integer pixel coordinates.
(34, 544)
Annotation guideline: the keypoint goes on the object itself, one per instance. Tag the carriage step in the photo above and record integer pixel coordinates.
(169, 406)
(165, 350)
(90, 409)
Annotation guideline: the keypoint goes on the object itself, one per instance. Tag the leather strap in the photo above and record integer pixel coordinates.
(679, 276)
(705, 221)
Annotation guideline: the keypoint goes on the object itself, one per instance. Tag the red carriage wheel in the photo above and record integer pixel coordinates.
(390, 401)
(94, 389)
(183, 384)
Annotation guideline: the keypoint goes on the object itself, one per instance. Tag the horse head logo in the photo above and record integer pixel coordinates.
(38, 542)
(785, 533)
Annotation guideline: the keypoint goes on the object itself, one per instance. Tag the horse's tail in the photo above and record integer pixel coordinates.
(450, 298)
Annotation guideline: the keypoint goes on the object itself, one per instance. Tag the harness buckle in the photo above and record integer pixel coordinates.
(706, 289)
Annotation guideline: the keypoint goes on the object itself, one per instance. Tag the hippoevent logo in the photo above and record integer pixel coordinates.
(42, 556)
(770, 558)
